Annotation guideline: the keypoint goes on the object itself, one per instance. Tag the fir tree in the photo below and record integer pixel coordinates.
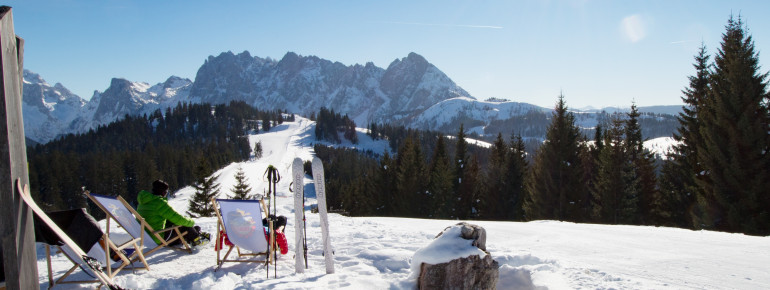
(386, 178)
(241, 189)
(461, 156)
(555, 189)
(611, 179)
(516, 170)
(440, 184)
(677, 182)
(205, 189)
(266, 122)
(258, 150)
(469, 201)
(410, 180)
(460, 160)
(642, 187)
(494, 205)
(734, 128)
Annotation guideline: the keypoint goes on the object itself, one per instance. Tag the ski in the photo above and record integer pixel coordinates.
(320, 193)
(298, 176)
(84, 259)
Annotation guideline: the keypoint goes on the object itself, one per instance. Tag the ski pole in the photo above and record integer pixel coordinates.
(304, 228)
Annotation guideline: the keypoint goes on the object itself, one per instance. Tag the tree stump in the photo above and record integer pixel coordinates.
(472, 272)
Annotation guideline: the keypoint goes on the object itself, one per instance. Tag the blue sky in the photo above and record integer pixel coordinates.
(598, 53)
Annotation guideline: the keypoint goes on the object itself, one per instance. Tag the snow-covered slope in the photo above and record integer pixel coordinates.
(450, 111)
(378, 252)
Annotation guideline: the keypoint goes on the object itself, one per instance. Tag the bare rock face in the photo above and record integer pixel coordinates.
(472, 272)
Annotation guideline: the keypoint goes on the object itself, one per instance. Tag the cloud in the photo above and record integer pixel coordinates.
(633, 28)
(445, 25)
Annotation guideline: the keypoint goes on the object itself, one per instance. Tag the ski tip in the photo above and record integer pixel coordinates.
(316, 159)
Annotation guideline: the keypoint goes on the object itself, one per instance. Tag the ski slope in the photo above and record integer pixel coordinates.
(376, 252)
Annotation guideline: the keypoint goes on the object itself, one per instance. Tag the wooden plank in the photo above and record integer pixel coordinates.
(16, 226)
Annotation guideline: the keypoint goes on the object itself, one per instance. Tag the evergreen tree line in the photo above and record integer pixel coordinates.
(435, 183)
(125, 156)
(717, 178)
(328, 123)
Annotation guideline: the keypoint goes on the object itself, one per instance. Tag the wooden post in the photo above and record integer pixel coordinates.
(16, 225)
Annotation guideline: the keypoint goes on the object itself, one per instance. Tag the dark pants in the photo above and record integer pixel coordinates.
(191, 235)
(81, 227)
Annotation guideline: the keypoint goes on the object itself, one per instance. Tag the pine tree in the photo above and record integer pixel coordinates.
(677, 182)
(611, 179)
(205, 189)
(266, 122)
(440, 184)
(642, 188)
(386, 178)
(516, 170)
(460, 161)
(734, 128)
(469, 202)
(555, 188)
(410, 180)
(258, 150)
(493, 200)
(241, 189)
(590, 158)
(461, 156)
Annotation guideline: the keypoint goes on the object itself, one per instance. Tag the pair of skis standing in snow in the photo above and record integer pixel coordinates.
(298, 175)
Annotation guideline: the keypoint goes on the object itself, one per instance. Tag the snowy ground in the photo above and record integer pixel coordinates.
(376, 252)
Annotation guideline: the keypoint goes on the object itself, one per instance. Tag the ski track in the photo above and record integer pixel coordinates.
(376, 252)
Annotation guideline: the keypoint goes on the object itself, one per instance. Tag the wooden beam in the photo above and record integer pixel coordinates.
(16, 225)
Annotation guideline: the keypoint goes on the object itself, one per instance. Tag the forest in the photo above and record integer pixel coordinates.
(126, 156)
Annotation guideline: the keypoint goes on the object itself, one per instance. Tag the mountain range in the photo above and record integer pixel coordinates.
(410, 91)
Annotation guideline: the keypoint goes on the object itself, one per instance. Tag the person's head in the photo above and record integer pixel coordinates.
(160, 188)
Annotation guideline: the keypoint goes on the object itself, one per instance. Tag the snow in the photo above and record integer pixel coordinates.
(661, 146)
(381, 252)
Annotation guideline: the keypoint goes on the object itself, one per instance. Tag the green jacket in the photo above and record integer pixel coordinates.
(156, 211)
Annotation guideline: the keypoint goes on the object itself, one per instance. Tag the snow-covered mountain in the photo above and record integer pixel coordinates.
(50, 111)
(305, 84)
(47, 110)
(129, 98)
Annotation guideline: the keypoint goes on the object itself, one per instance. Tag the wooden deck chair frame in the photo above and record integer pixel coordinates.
(143, 241)
(100, 277)
(61, 280)
(251, 257)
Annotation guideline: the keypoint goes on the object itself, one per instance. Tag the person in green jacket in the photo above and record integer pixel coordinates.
(153, 207)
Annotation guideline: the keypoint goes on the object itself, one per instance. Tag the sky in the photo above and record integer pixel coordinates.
(596, 53)
(385, 252)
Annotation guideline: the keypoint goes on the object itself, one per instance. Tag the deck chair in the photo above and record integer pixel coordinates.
(118, 210)
(241, 221)
(74, 221)
(88, 264)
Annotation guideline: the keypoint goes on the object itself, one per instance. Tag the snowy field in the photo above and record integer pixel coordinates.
(376, 252)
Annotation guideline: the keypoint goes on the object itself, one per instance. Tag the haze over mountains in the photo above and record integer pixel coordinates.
(410, 91)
